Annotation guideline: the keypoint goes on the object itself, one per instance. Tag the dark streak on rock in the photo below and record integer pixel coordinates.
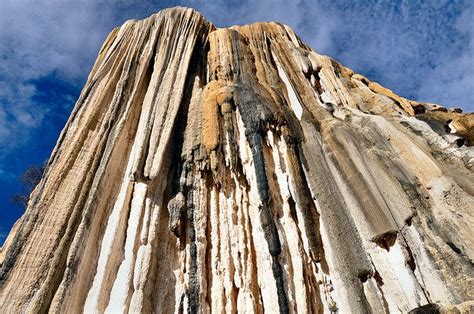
(386, 240)
(431, 308)
(193, 289)
(252, 112)
(454, 247)
(411, 259)
(183, 206)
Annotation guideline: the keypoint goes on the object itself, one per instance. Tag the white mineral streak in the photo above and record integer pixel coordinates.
(294, 101)
(296, 264)
(120, 290)
(107, 247)
(237, 170)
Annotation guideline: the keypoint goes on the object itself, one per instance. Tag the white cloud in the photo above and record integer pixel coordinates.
(36, 39)
(420, 49)
(305, 17)
(452, 81)
(3, 236)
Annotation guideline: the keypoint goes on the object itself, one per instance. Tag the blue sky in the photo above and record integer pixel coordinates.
(422, 50)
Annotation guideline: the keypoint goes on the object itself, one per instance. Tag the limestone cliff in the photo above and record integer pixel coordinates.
(210, 169)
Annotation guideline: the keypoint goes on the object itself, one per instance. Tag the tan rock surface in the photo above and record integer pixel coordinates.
(237, 170)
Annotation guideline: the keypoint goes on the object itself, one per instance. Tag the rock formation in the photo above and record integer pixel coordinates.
(210, 169)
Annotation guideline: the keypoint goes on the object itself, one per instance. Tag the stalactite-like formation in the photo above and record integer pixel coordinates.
(210, 169)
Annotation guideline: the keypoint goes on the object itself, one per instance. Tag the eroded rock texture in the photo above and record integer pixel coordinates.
(236, 170)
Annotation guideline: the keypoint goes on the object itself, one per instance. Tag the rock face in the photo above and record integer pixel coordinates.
(210, 169)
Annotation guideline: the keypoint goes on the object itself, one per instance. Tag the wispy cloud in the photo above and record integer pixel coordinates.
(36, 39)
(451, 81)
(3, 236)
(420, 49)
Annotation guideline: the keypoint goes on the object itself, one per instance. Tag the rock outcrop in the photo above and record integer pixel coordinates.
(210, 169)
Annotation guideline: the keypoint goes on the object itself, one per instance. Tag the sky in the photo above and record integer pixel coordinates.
(422, 50)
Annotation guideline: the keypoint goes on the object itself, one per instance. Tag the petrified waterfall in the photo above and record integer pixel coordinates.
(234, 169)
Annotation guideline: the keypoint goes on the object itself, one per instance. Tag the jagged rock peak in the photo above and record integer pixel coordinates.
(234, 169)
